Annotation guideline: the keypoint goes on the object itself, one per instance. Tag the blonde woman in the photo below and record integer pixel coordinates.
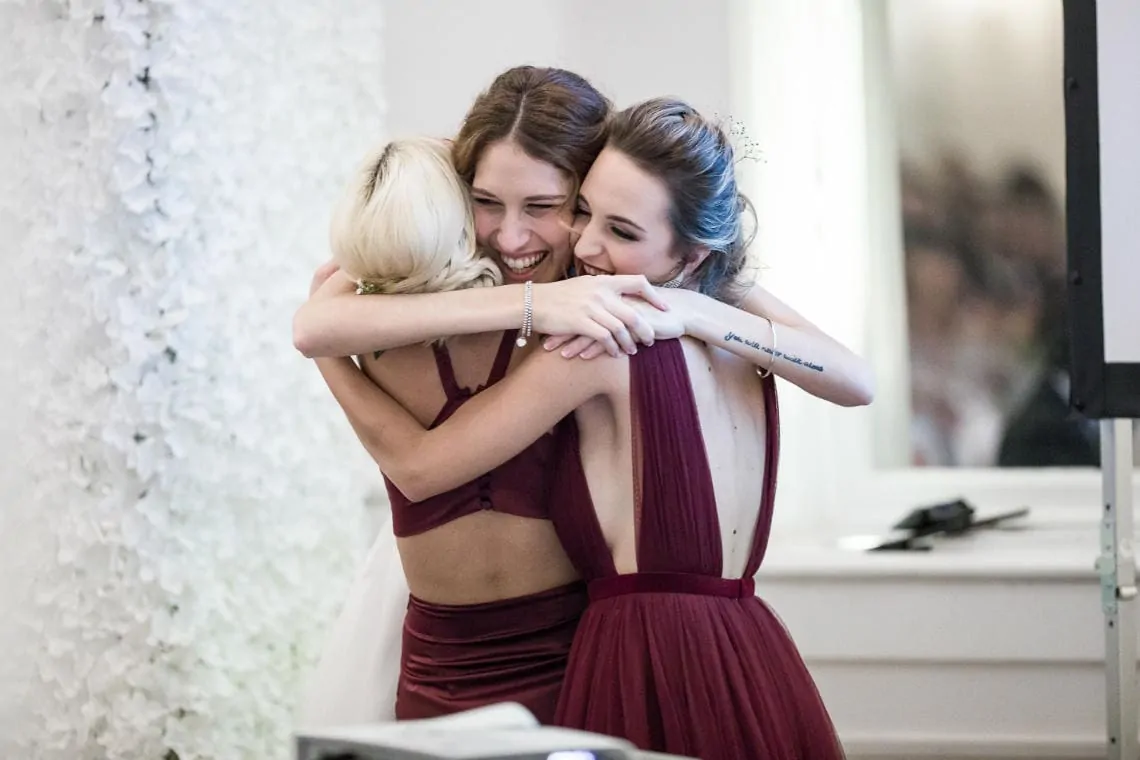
(494, 602)
(404, 225)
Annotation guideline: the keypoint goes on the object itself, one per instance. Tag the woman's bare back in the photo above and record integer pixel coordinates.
(730, 405)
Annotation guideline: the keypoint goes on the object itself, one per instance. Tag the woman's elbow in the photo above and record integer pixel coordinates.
(413, 490)
(415, 485)
(409, 475)
(857, 397)
(862, 388)
(305, 338)
(410, 480)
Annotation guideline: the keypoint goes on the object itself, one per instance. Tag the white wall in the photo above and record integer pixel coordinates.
(441, 54)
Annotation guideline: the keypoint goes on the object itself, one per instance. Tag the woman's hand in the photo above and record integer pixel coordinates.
(593, 308)
(663, 324)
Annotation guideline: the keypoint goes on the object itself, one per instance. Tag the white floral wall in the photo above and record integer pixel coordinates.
(182, 501)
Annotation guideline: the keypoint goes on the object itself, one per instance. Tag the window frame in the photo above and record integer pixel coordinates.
(832, 483)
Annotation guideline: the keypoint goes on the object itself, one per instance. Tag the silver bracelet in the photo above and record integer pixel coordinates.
(528, 314)
(772, 363)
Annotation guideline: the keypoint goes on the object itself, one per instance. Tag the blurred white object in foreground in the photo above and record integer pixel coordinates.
(499, 732)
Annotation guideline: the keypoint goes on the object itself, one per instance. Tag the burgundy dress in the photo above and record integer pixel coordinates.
(457, 657)
(676, 658)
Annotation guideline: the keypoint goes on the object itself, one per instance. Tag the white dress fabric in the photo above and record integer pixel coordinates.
(355, 681)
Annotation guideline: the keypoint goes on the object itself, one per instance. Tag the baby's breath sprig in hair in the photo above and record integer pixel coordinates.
(365, 288)
(745, 148)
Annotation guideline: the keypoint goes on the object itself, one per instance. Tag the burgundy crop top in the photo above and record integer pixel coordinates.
(520, 486)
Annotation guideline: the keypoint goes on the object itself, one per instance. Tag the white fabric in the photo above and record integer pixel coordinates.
(355, 681)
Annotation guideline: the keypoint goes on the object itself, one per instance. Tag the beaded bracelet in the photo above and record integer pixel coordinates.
(528, 314)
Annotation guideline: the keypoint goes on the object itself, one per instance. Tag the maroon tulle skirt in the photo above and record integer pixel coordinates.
(708, 672)
(458, 657)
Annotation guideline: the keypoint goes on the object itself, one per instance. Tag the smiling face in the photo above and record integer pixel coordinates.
(623, 222)
(523, 213)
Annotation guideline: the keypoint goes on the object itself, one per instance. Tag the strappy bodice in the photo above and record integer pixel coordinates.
(677, 526)
(457, 394)
(520, 486)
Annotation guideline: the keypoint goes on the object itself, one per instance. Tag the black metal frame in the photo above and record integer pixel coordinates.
(1099, 390)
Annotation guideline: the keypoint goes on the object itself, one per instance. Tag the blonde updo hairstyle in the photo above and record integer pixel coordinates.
(404, 224)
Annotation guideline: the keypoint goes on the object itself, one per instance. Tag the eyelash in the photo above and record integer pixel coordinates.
(615, 231)
(534, 207)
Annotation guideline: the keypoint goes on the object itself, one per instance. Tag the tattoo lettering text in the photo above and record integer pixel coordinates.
(790, 358)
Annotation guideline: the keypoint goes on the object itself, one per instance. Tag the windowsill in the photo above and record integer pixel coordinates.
(862, 500)
(1041, 547)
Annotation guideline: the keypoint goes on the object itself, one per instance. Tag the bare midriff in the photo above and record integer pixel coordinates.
(485, 557)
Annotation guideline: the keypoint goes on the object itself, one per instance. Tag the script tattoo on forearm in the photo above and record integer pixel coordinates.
(790, 358)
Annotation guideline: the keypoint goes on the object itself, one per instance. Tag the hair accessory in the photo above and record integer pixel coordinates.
(365, 288)
(745, 148)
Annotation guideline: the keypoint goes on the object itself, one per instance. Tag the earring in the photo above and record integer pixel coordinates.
(675, 282)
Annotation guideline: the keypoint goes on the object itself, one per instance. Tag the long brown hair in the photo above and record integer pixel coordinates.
(554, 115)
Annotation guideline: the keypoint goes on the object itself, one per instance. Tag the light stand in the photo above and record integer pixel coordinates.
(1117, 569)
